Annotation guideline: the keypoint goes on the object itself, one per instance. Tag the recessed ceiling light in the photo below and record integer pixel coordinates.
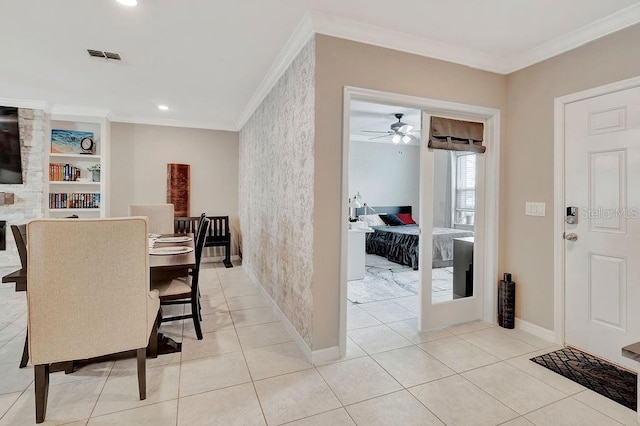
(163, 107)
(128, 2)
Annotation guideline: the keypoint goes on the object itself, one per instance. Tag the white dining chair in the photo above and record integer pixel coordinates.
(160, 216)
(88, 294)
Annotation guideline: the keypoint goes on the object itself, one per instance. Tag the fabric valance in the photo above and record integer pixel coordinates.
(456, 135)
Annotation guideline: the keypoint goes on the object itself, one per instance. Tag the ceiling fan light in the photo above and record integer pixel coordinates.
(406, 139)
(407, 128)
(396, 139)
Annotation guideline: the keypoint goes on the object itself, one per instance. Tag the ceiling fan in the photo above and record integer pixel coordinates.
(399, 131)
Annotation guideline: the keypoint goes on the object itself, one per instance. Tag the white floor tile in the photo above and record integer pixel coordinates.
(412, 366)
(608, 407)
(358, 379)
(458, 354)
(456, 401)
(263, 335)
(294, 396)
(14, 379)
(214, 343)
(519, 421)
(468, 327)
(409, 329)
(237, 405)
(387, 311)
(358, 318)
(399, 408)
(337, 417)
(514, 388)
(66, 403)
(246, 302)
(121, 390)
(378, 338)
(275, 360)
(212, 306)
(255, 316)
(497, 343)
(569, 412)
(239, 291)
(207, 374)
(7, 401)
(162, 414)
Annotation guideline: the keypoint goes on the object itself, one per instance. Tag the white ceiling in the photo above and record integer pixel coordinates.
(212, 61)
(365, 117)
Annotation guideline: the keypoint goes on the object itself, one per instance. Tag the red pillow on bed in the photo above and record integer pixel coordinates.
(406, 218)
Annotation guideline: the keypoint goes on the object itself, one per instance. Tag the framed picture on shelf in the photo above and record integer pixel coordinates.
(68, 141)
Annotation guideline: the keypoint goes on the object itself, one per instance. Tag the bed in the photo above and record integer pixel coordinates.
(400, 244)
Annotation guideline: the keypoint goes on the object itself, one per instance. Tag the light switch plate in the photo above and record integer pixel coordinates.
(535, 209)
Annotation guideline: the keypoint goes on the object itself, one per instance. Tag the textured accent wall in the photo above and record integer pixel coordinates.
(28, 202)
(276, 191)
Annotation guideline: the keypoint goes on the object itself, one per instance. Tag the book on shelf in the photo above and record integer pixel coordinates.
(59, 172)
(74, 200)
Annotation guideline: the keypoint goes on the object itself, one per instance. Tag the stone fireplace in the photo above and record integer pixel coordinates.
(28, 196)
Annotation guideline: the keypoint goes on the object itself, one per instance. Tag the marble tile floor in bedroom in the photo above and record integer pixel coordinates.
(386, 280)
(248, 371)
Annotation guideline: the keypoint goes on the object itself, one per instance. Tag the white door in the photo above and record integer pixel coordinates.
(436, 312)
(602, 250)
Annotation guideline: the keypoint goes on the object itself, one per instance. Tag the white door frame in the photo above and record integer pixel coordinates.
(491, 117)
(559, 207)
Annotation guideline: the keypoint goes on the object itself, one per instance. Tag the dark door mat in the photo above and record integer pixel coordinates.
(598, 375)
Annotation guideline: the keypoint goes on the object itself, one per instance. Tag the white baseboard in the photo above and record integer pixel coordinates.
(306, 350)
(536, 330)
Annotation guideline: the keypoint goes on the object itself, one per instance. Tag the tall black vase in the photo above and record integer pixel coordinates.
(506, 302)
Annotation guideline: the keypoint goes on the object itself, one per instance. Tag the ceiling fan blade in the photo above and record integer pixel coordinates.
(376, 131)
(378, 137)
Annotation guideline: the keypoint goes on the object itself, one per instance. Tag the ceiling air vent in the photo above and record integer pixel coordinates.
(111, 55)
(104, 55)
(96, 53)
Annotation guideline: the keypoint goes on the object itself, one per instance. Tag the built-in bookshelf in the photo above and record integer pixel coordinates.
(76, 179)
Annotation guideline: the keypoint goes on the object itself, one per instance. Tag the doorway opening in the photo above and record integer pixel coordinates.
(438, 190)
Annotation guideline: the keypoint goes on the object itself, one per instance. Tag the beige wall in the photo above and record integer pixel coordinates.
(138, 169)
(342, 63)
(527, 174)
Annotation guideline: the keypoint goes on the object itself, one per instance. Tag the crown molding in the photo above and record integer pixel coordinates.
(303, 32)
(590, 32)
(25, 103)
(370, 34)
(173, 123)
(79, 110)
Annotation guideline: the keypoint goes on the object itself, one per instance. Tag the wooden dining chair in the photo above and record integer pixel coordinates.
(186, 225)
(88, 294)
(20, 237)
(184, 290)
(220, 236)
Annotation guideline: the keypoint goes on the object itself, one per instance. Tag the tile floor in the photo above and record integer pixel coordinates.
(248, 371)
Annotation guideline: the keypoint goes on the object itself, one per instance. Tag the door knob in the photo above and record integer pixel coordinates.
(571, 236)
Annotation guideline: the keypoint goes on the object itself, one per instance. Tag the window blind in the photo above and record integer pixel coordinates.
(465, 198)
(456, 135)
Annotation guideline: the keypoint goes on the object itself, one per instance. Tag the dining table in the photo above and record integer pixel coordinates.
(162, 263)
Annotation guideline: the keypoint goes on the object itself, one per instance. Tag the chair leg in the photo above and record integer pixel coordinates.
(41, 373)
(195, 314)
(227, 256)
(142, 372)
(152, 347)
(25, 352)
